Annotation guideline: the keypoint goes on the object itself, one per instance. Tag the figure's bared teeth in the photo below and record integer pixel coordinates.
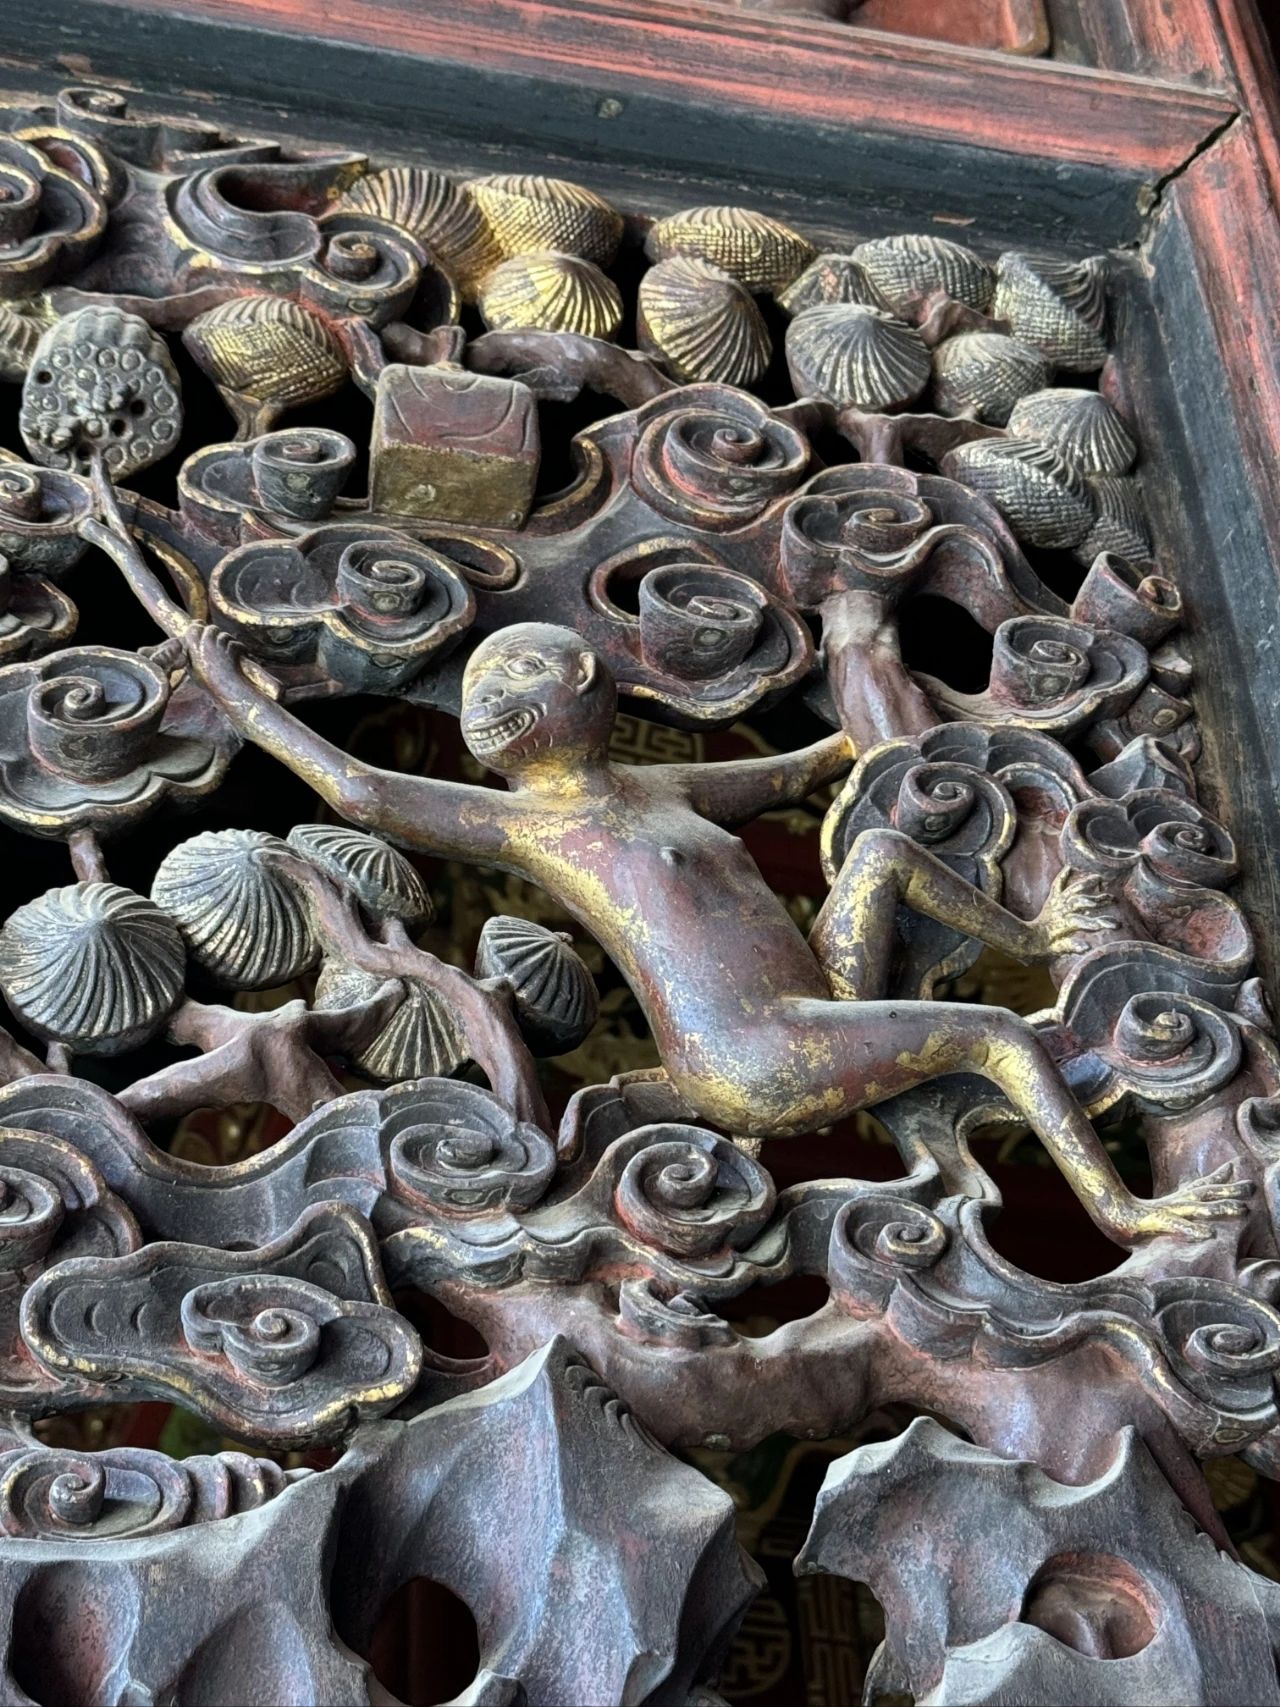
(489, 737)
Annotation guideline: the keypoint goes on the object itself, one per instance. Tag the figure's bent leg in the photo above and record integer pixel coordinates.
(853, 934)
(875, 1050)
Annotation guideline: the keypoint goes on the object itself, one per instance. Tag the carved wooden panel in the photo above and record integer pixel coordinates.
(369, 509)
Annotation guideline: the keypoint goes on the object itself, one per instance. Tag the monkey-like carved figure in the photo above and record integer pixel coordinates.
(741, 1006)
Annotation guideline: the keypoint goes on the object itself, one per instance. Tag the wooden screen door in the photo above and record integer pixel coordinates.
(638, 773)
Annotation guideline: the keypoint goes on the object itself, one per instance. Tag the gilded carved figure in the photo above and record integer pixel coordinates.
(760, 1039)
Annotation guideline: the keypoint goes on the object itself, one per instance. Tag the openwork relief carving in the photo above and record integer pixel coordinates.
(953, 443)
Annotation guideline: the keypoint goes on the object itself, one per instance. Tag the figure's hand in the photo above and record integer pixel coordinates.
(169, 655)
(1076, 911)
(1191, 1212)
(215, 660)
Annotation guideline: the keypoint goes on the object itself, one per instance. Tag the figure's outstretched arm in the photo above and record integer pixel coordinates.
(733, 791)
(451, 819)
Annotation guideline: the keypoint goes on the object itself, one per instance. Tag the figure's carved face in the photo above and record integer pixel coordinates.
(535, 694)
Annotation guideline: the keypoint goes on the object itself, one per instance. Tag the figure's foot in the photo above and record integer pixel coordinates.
(1077, 910)
(1191, 1212)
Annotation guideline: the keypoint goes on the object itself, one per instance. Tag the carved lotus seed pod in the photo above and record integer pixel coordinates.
(1044, 500)
(381, 879)
(854, 355)
(907, 269)
(554, 293)
(1120, 523)
(268, 350)
(93, 966)
(527, 214)
(421, 1040)
(555, 996)
(702, 324)
(101, 380)
(441, 214)
(239, 916)
(1059, 306)
(1080, 424)
(983, 374)
(831, 278)
(758, 251)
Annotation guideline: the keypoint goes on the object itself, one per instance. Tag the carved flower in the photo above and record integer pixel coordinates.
(363, 605)
(452, 1146)
(287, 1343)
(1142, 1019)
(1052, 675)
(1224, 1345)
(41, 510)
(686, 1191)
(50, 221)
(52, 1494)
(553, 993)
(1174, 836)
(1168, 858)
(711, 457)
(92, 736)
(92, 966)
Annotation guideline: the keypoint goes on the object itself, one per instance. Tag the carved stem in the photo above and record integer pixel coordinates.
(876, 438)
(875, 696)
(15, 1061)
(482, 1007)
(274, 1057)
(113, 537)
(576, 362)
(86, 857)
(423, 349)
(171, 313)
